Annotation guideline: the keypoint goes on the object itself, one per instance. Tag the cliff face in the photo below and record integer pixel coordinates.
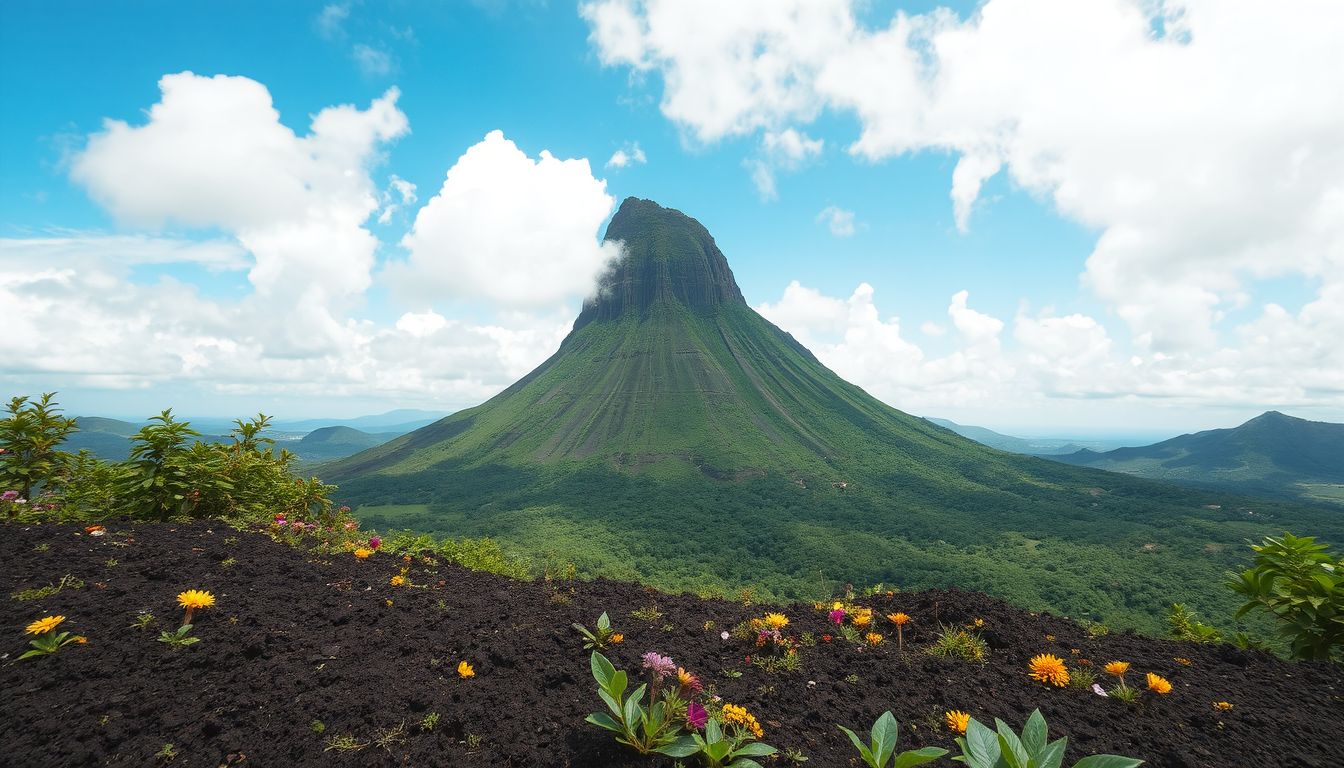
(669, 259)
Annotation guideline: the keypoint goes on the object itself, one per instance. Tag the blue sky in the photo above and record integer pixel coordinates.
(1183, 331)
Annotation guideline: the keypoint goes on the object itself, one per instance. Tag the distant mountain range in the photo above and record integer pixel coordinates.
(679, 438)
(1032, 446)
(1273, 455)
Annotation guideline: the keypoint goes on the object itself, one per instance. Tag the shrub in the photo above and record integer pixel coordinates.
(959, 643)
(28, 437)
(1303, 587)
(985, 748)
(1184, 625)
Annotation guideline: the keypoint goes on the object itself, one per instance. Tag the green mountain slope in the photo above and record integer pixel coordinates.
(1273, 454)
(678, 437)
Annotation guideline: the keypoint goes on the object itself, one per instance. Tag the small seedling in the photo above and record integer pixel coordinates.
(179, 639)
(67, 582)
(344, 743)
(167, 753)
(142, 620)
(317, 727)
(649, 613)
(43, 547)
(227, 562)
(794, 755)
(474, 741)
(429, 721)
(111, 562)
(386, 738)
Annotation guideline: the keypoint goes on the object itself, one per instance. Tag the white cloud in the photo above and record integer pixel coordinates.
(786, 150)
(371, 61)
(399, 193)
(88, 248)
(330, 21)
(1209, 155)
(838, 220)
(214, 154)
(508, 229)
(630, 154)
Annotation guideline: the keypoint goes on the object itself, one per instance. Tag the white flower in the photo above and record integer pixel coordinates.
(724, 635)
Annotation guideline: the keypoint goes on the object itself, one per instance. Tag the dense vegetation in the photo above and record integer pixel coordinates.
(1272, 455)
(678, 438)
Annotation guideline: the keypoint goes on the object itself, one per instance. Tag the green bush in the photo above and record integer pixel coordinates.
(1302, 586)
(29, 459)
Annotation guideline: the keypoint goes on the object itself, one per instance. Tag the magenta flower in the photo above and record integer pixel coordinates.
(375, 542)
(696, 716)
(9, 495)
(661, 666)
(837, 616)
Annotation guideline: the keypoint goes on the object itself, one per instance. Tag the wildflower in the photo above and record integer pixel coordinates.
(1184, 662)
(957, 720)
(617, 638)
(1076, 651)
(696, 716)
(363, 554)
(1049, 638)
(899, 619)
(1049, 668)
(193, 599)
(979, 623)
(351, 525)
(739, 716)
(825, 638)
(1158, 684)
(406, 559)
(398, 581)
(297, 525)
(837, 615)
(9, 495)
(375, 542)
(724, 635)
(1223, 705)
(873, 638)
(776, 620)
(1097, 689)
(465, 670)
(1117, 668)
(863, 618)
(661, 666)
(43, 625)
(837, 606)
(689, 683)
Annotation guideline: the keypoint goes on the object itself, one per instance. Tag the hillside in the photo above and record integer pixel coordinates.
(328, 443)
(1273, 454)
(678, 438)
(1041, 446)
(311, 659)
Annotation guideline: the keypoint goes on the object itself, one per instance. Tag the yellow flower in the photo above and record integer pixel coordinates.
(195, 598)
(899, 619)
(1049, 638)
(837, 606)
(398, 581)
(1223, 705)
(362, 553)
(1184, 662)
(1158, 684)
(1117, 668)
(863, 617)
(43, 626)
(1049, 668)
(465, 670)
(957, 720)
(776, 620)
(739, 716)
(617, 638)
(979, 623)
(873, 638)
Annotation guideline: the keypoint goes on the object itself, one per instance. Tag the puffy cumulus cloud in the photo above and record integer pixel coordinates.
(508, 229)
(1279, 359)
(630, 154)
(1203, 139)
(838, 220)
(214, 154)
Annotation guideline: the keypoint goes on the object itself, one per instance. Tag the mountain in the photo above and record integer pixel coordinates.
(679, 438)
(104, 438)
(329, 443)
(1036, 446)
(399, 422)
(1273, 454)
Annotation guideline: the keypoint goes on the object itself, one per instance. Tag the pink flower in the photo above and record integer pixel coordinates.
(9, 495)
(297, 525)
(661, 666)
(837, 616)
(375, 542)
(1097, 689)
(696, 716)
(351, 525)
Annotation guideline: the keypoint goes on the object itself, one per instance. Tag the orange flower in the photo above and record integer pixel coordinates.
(899, 619)
(398, 581)
(1117, 668)
(465, 670)
(362, 553)
(1049, 668)
(44, 625)
(1158, 684)
(1223, 705)
(195, 598)
(873, 638)
(82, 640)
(617, 638)
(957, 720)
(94, 529)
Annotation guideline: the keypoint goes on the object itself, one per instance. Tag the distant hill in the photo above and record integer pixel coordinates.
(1273, 455)
(104, 438)
(1032, 446)
(679, 438)
(330, 443)
(397, 422)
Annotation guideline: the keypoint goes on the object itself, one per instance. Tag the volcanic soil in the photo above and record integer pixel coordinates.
(301, 649)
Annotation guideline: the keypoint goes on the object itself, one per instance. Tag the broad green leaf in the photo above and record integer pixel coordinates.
(613, 703)
(913, 757)
(1052, 754)
(744, 762)
(1010, 747)
(618, 683)
(982, 745)
(1107, 761)
(685, 746)
(713, 733)
(602, 668)
(754, 749)
(858, 743)
(1033, 733)
(603, 720)
(885, 732)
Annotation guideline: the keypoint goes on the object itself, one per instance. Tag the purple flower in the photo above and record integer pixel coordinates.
(696, 716)
(837, 616)
(375, 542)
(661, 666)
(9, 495)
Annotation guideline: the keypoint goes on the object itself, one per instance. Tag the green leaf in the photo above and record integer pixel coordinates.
(602, 668)
(982, 745)
(603, 720)
(1010, 747)
(754, 749)
(744, 762)
(885, 732)
(633, 714)
(1034, 732)
(863, 748)
(613, 703)
(912, 757)
(684, 746)
(1107, 761)
(1052, 755)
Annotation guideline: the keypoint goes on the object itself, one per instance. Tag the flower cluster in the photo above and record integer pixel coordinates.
(741, 718)
(659, 665)
(1118, 669)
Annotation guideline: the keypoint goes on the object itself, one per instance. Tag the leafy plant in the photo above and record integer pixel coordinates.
(882, 745)
(429, 721)
(29, 436)
(67, 582)
(167, 752)
(598, 637)
(1183, 625)
(47, 641)
(729, 748)
(179, 639)
(142, 620)
(649, 613)
(985, 748)
(1303, 587)
(654, 728)
(959, 643)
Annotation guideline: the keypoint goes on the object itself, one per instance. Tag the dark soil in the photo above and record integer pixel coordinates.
(296, 639)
